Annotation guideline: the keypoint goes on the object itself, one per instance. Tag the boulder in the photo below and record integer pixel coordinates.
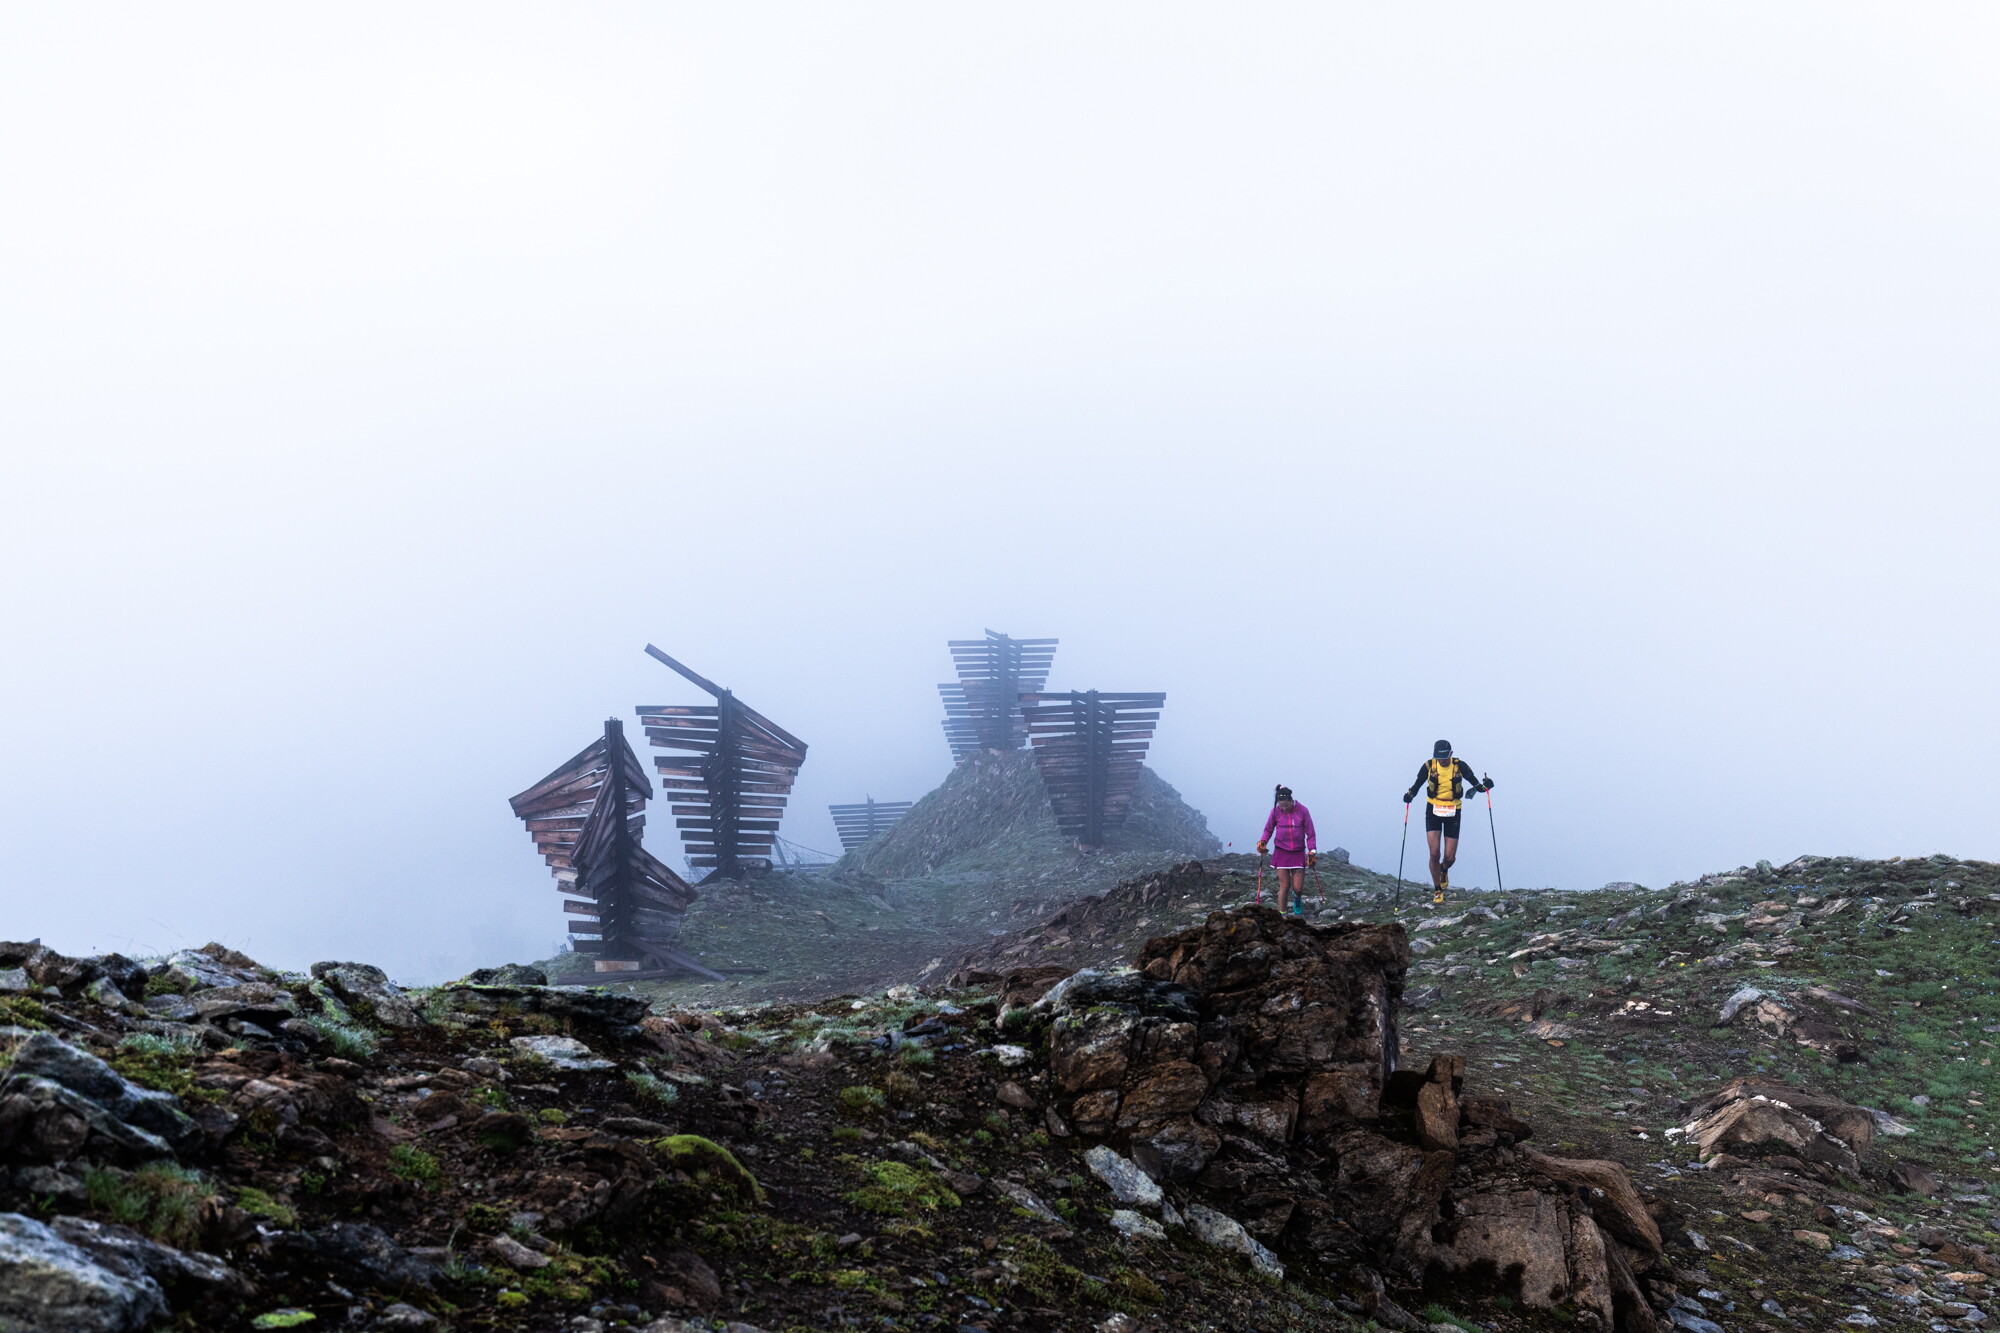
(562, 1052)
(1127, 1183)
(183, 1274)
(355, 1254)
(49, 1284)
(1226, 1233)
(1750, 1117)
(367, 991)
(57, 1102)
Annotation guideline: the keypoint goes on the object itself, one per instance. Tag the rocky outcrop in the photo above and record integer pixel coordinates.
(367, 991)
(59, 1103)
(1249, 1068)
(570, 1004)
(1750, 1118)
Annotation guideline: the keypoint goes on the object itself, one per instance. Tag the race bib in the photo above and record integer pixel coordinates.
(1443, 812)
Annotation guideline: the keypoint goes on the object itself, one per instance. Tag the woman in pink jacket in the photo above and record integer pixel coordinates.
(1297, 847)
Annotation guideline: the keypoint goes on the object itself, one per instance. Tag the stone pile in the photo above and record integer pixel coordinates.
(1249, 1069)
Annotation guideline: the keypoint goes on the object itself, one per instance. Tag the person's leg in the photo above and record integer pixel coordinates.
(1450, 855)
(1437, 869)
(1297, 887)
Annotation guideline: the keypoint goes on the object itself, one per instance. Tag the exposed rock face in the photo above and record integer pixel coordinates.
(1751, 1118)
(1249, 1067)
(58, 1103)
(47, 1283)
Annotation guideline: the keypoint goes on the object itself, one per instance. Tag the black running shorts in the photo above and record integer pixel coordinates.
(1437, 823)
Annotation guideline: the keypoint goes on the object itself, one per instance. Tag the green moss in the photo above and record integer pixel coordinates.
(168, 983)
(846, 1134)
(257, 1203)
(916, 1055)
(510, 1300)
(708, 1164)
(283, 1319)
(1136, 1288)
(858, 1101)
(21, 1012)
(552, 1115)
(415, 1165)
(896, 1189)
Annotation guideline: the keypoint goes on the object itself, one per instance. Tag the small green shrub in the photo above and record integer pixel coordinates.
(902, 1089)
(846, 1134)
(491, 1096)
(415, 1165)
(652, 1088)
(162, 1199)
(916, 1055)
(162, 1063)
(552, 1115)
(349, 1042)
(858, 1101)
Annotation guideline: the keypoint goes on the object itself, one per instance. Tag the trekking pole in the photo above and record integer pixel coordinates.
(1260, 878)
(1495, 836)
(1401, 848)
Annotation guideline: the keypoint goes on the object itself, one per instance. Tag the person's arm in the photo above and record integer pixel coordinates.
(1264, 838)
(1472, 779)
(1312, 838)
(1423, 772)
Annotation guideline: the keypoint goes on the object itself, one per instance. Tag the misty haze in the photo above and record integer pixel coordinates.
(1359, 636)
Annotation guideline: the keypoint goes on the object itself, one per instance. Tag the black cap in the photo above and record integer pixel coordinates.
(1442, 750)
(1283, 793)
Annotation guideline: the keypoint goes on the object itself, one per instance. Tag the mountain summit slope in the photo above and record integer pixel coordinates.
(992, 816)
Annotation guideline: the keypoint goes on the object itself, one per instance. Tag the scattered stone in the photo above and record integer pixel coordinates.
(514, 1254)
(562, 1052)
(1819, 1240)
(402, 1315)
(1027, 1202)
(1012, 1057)
(1127, 1183)
(1016, 1096)
(1136, 1226)
(1226, 1233)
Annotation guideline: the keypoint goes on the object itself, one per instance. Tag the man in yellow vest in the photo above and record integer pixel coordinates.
(1444, 780)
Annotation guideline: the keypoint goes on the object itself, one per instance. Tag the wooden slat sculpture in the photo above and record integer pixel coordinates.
(856, 824)
(588, 819)
(729, 790)
(982, 708)
(1090, 747)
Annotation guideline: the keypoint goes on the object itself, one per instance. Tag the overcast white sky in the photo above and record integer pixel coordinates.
(1608, 389)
